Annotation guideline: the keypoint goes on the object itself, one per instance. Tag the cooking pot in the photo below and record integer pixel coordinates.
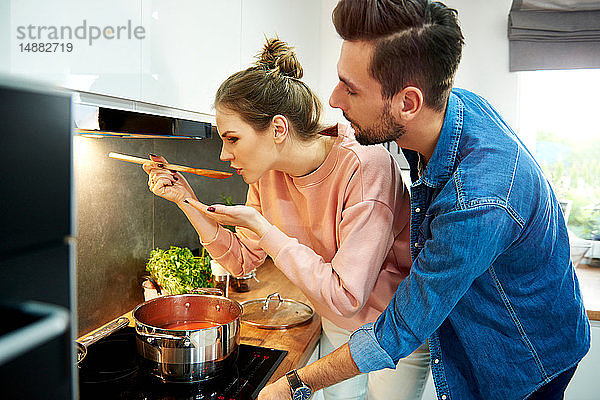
(173, 342)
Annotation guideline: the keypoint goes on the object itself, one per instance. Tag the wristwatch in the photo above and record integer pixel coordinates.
(299, 389)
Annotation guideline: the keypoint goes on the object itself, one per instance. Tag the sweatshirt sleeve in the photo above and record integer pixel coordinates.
(239, 252)
(344, 284)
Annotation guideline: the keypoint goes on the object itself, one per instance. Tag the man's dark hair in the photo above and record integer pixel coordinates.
(417, 42)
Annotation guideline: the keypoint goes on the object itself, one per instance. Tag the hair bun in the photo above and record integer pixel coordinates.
(278, 56)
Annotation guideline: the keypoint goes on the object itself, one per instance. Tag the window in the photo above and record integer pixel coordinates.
(560, 124)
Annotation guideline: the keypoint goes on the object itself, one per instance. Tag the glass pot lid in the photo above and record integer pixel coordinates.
(273, 312)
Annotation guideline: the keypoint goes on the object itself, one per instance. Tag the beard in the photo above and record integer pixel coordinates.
(386, 129)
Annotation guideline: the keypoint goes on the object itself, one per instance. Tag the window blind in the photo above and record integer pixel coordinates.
(554, 34)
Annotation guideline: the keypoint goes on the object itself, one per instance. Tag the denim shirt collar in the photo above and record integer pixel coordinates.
(441, 165)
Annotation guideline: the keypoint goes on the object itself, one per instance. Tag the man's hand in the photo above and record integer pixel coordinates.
(279, 390)
(329, 370)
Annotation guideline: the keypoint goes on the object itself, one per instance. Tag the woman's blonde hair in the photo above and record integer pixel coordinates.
(273, 87)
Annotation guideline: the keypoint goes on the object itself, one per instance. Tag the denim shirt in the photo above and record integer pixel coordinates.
(491, 286)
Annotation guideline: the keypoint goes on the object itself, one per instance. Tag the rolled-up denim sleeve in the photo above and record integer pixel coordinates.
(463, 244)
(366, 352)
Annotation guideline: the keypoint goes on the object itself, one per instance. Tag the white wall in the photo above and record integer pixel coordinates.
(331, 44)
(484, 66)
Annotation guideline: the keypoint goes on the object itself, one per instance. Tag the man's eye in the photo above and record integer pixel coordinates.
(232, 139)
(350, 92)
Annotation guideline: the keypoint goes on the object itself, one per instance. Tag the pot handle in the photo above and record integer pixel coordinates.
(269, 298)
(187, 340)
(107, 330)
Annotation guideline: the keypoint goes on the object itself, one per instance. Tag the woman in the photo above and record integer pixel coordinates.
(333, 215)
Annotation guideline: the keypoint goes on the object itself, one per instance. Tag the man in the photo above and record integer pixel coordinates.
(491, 286)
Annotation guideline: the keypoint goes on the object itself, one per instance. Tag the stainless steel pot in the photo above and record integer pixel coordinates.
(182, 355)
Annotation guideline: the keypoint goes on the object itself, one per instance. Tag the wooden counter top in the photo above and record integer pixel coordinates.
(589, 282)
(299, 341)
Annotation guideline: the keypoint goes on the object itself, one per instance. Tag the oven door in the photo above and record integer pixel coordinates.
(34, 350)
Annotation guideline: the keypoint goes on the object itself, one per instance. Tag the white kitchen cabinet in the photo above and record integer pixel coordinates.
(188, 49)
(192, 47)
(189, 46)
(584, 385)
(99, 65)
(296, 22)
(5, 34)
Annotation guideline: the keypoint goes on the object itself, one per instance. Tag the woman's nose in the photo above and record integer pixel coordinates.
(225, 155)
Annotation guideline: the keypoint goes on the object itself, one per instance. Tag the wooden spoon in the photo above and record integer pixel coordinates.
(196, 171)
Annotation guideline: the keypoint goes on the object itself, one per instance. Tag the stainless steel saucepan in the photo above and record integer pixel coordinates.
(188, 337)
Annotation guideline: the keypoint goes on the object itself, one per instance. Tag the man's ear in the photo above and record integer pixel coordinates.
(407, 103)
(280, 128)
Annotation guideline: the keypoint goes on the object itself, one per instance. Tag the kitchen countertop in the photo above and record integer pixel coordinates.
(589, 282)
(299, 341)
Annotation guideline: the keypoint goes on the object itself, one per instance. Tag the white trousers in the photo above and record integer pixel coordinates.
(406, 382)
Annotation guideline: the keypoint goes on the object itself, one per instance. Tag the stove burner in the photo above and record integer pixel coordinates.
(109, 360)
(114, 370)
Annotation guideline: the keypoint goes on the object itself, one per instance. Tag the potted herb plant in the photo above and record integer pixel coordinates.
(178, 271)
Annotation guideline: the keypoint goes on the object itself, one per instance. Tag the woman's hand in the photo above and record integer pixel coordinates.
(278, 390)
(169, 185)
(242, 216)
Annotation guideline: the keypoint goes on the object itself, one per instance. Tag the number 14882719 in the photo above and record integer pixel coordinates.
(49, 47)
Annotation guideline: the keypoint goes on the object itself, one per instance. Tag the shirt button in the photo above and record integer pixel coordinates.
(444, 397)
(417, 210)
(416, 244)
(437, 360)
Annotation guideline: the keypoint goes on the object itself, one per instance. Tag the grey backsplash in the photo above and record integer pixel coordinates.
(119, 220)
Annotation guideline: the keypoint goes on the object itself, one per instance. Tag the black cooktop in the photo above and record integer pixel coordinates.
(113, 369)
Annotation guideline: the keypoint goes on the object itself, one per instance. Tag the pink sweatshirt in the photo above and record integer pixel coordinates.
(341, 233)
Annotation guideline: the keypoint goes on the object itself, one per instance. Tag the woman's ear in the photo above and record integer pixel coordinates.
(407, 103)
(280, 128)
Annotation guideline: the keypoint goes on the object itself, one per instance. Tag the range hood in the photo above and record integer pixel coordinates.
(105, 116)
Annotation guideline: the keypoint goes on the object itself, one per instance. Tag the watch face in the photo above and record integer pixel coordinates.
(302, 393)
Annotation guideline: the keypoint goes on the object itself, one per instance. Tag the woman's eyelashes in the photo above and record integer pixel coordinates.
(231, 139)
